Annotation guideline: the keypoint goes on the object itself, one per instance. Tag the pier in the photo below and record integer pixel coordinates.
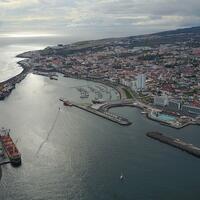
(7, 86)
(101, 113)
(4, 162)
(177, 143)
(107, 115)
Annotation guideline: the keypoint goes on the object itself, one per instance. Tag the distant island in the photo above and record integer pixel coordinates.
(159, 73)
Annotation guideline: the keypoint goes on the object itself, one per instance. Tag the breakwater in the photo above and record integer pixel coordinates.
(7, 86)
(177, 143)
(106, 115)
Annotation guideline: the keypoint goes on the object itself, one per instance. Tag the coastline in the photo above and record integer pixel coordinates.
(120, 89)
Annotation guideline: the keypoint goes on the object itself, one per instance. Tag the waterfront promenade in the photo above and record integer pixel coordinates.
(125, 100)
(177, 123)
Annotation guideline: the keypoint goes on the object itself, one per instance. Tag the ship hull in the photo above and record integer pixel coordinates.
(15, 163)
(10, 148)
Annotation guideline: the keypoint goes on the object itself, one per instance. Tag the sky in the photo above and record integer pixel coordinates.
(95, 18)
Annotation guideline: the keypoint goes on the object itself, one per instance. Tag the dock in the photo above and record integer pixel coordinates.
(106, 115)
(7, 86)
(99, 112)
(4, 162)
(177, 143)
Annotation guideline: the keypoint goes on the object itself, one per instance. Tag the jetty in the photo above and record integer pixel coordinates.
(107, 115)
(101, 113)
(177, 143)
(7, 86)
(4, 162)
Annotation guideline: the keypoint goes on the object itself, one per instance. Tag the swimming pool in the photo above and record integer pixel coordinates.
(164, 117)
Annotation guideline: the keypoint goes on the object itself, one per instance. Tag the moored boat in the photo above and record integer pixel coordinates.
(84, 95)
(9, 147)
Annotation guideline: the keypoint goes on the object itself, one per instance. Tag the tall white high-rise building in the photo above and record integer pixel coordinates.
(141, 82)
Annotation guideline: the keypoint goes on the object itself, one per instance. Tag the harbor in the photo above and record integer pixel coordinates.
(177, 143)
(81, 140)
(103, 95)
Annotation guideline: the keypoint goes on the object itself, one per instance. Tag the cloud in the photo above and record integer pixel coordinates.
(97, 18)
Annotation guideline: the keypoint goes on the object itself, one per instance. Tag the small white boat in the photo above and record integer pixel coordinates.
(84, 95)
(143, 112)
(121, 177)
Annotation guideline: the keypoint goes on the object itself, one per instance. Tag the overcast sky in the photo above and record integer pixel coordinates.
(95, 18)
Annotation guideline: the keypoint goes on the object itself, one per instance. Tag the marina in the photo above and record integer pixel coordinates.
(83, 92)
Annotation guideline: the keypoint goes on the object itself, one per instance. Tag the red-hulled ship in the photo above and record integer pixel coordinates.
(9, 147)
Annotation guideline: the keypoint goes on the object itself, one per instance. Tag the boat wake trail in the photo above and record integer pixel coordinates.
(49, 133)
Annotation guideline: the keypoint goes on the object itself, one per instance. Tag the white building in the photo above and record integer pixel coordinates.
(126, 82)
(133, 86)
(161, 100)
(191, 109)
(141, 82)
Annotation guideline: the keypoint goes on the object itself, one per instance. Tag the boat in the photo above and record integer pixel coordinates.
(98, 101)
(67, 103)
(84, 95)
(53, 78)
(121, 177)
(9, 147)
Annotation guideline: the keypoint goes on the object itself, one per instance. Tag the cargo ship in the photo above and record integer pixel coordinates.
(9, 147)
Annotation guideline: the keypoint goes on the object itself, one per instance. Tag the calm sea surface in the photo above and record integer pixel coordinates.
(71, 154)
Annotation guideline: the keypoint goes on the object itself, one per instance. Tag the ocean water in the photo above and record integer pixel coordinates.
(71, 154)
